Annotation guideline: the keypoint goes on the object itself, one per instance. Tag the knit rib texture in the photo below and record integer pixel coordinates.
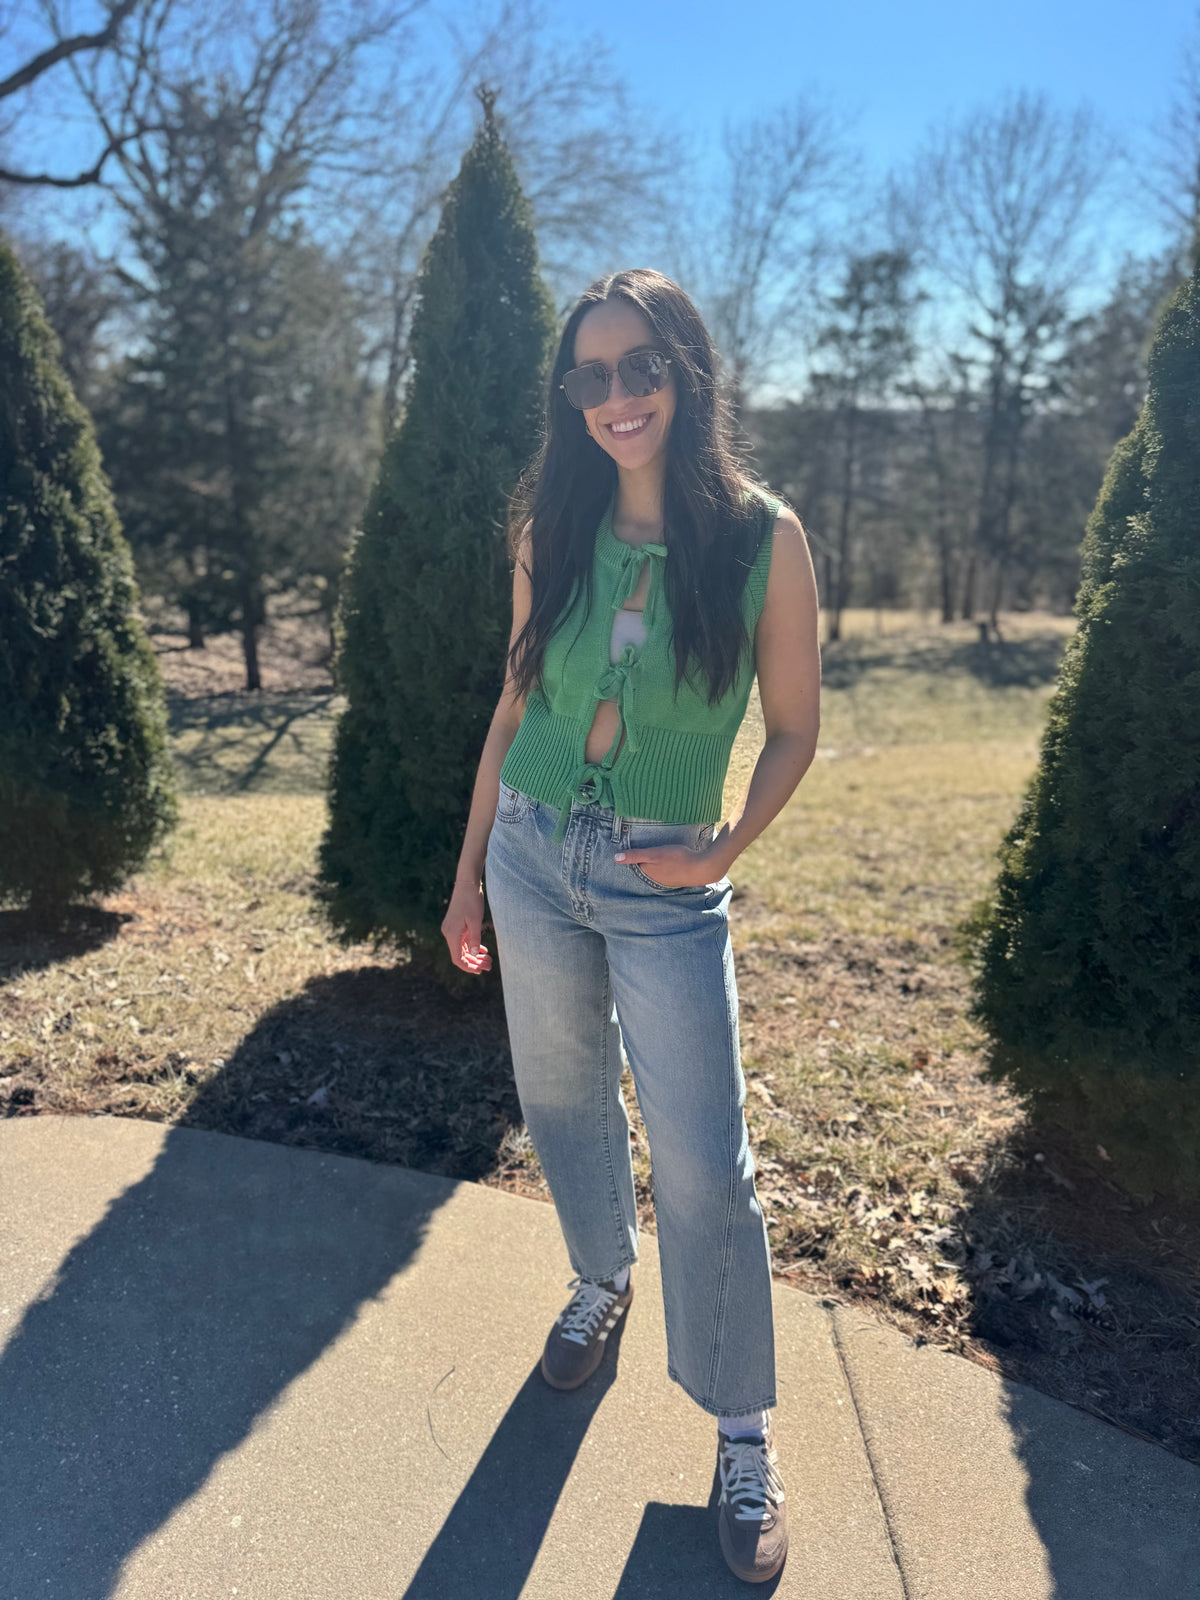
(675, 758)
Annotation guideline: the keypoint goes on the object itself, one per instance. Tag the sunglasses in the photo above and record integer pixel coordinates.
(642, 372)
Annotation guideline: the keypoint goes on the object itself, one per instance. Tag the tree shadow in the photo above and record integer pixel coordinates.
(1029, 663)
(1045, 1226)
(230, 743)
(28, 946)
(376, 1062)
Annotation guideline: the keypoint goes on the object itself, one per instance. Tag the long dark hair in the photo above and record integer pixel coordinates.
(713, 525)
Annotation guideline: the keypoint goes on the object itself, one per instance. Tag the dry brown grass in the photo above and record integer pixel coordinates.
(892, 1173)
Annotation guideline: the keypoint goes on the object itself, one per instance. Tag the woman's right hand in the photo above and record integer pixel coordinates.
(461, 926)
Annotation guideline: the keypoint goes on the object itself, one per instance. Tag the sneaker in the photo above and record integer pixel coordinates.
(752, 1521)
(575, 1344)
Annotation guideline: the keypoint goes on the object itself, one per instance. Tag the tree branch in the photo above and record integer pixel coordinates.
(62, 48)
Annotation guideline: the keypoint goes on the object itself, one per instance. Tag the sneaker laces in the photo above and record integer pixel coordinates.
(749, 1479)
(589, 1305)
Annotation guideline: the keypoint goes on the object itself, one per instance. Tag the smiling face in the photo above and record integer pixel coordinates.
(606, 333)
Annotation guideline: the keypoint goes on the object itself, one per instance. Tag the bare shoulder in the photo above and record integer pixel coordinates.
(790, 579)
(522, 579)
(788, 526)
(787, 652)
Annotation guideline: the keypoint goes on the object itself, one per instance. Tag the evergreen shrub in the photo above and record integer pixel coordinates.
(1088, 951)
(87, 786)
(426, 599)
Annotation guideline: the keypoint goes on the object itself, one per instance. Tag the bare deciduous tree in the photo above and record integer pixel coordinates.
(757, 246)
(1173, 181)
(231, 137)
(121, 125)
(594, 170)
(1004, 198)
(343, 118)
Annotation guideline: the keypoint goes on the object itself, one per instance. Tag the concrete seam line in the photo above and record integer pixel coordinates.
(879, 1492)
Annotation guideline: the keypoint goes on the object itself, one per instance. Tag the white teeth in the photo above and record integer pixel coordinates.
(630, 427)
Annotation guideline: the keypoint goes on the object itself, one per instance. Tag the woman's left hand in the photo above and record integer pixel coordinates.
(675, 866)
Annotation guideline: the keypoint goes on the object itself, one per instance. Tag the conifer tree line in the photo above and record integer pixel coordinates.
(929, 395)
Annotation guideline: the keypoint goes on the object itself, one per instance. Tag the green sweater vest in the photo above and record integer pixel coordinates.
(673, 763)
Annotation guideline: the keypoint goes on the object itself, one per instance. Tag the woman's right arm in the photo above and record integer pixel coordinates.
(464, 915)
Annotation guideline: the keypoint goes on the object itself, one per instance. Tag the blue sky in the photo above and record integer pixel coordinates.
(891, 70)
(894, 71)
(900, 66)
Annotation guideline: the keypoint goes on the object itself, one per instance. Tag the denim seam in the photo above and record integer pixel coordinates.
(564, 870)
(589, 850)
(606, 1012)
(727, 1244)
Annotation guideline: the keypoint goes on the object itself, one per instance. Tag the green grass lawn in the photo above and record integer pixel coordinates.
(892, 1173)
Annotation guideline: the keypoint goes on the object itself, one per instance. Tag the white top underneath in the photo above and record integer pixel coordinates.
(629, 627)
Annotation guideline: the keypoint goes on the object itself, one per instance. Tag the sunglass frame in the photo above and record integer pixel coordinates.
(608, 377)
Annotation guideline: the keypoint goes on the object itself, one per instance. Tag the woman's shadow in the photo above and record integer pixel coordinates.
(489, 1542)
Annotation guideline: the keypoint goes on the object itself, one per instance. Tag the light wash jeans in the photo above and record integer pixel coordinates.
(577, 931)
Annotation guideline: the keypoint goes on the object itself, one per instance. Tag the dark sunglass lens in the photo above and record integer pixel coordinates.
(643, 373)
(586, 387)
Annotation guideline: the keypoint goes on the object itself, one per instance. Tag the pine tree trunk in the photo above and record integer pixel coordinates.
(997, 596)
(946, 577)
(847, 500)
(195, 625)
(830, 587)
(945, 543)
(251, 612)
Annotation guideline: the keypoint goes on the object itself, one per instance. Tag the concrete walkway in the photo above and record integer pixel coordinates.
(231, 1368)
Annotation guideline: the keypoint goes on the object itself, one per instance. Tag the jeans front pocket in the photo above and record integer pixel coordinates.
(513, 805)
(644, 835)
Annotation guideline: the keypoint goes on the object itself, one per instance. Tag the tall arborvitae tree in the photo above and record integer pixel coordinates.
(1089, 980)
(86, 782)
(425, 606)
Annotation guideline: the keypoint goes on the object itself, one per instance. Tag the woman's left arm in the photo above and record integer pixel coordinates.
(788, 655)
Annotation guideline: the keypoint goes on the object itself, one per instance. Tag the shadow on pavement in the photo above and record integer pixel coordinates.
(170, 1329)
(490, 1541)
(677, 1556)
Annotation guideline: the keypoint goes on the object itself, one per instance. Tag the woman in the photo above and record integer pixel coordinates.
(652, 577)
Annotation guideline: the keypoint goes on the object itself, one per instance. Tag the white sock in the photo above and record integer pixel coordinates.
(743, 1424)
(621, 1280)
